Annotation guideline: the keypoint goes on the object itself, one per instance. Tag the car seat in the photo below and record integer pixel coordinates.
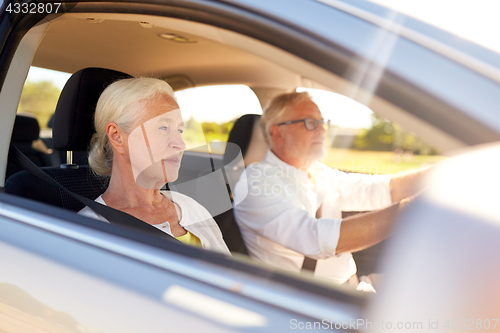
(79, 157)
(72, 130)
(246, 135)
(26, 130)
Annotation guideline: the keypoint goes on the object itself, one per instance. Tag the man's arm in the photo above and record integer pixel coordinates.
(364, 230)
(407, 184)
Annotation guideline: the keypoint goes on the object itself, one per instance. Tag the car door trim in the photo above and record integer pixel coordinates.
(320, 300)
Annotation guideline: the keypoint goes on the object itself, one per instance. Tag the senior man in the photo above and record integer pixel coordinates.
(293, 205)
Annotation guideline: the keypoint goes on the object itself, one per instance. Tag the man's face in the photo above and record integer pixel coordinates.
(298, 142)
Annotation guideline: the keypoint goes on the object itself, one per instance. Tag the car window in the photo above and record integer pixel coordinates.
(32, 132)
(40, 95)
(215, 109)
(361, 141)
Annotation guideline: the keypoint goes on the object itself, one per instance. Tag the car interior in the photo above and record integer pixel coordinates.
(98, 48)
(26, 130)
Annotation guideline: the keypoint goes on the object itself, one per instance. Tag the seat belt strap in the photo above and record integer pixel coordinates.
(114, 216)
(309, 264)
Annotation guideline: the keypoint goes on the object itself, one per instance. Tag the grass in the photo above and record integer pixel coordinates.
(376, 162)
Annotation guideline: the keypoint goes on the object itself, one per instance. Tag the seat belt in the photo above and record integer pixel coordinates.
(309, 264)
(114, 216)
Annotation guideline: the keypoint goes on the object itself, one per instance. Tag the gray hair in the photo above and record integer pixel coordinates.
(274, 111)
(121, 102)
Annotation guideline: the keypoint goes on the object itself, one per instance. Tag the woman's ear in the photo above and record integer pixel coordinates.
(116, 137)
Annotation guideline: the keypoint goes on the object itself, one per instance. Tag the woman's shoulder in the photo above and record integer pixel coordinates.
(194, 213)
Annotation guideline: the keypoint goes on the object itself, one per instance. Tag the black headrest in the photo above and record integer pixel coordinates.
(50, 123)
(74, 115)
(26, 129)
(241, 134)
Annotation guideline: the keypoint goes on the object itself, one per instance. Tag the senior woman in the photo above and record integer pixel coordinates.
(138, 143)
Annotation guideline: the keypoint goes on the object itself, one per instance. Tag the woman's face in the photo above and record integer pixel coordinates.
(156, 145)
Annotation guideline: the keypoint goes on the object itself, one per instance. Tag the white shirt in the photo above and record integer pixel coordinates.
(194, 218)
(278, 220)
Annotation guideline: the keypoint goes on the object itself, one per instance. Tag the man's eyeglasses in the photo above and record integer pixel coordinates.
(311, 123)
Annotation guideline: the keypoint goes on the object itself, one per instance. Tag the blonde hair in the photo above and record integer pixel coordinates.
(121, 102)
(274, 111)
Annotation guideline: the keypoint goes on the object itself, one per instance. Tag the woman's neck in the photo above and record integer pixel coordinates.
(123, 192)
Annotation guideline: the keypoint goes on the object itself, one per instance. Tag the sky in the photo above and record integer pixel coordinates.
(476, 21)
(39, 74)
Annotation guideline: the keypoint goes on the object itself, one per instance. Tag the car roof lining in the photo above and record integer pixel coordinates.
(211, 60)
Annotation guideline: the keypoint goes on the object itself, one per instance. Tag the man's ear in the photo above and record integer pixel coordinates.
(276, 134)
(115, 136)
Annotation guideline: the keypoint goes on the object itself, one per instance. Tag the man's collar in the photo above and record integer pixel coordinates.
(272, 159)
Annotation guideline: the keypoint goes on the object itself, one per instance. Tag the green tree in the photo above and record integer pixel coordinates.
(385, 135)
(217, 132)
(379, 137)
(39, 99)
(196, 134)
